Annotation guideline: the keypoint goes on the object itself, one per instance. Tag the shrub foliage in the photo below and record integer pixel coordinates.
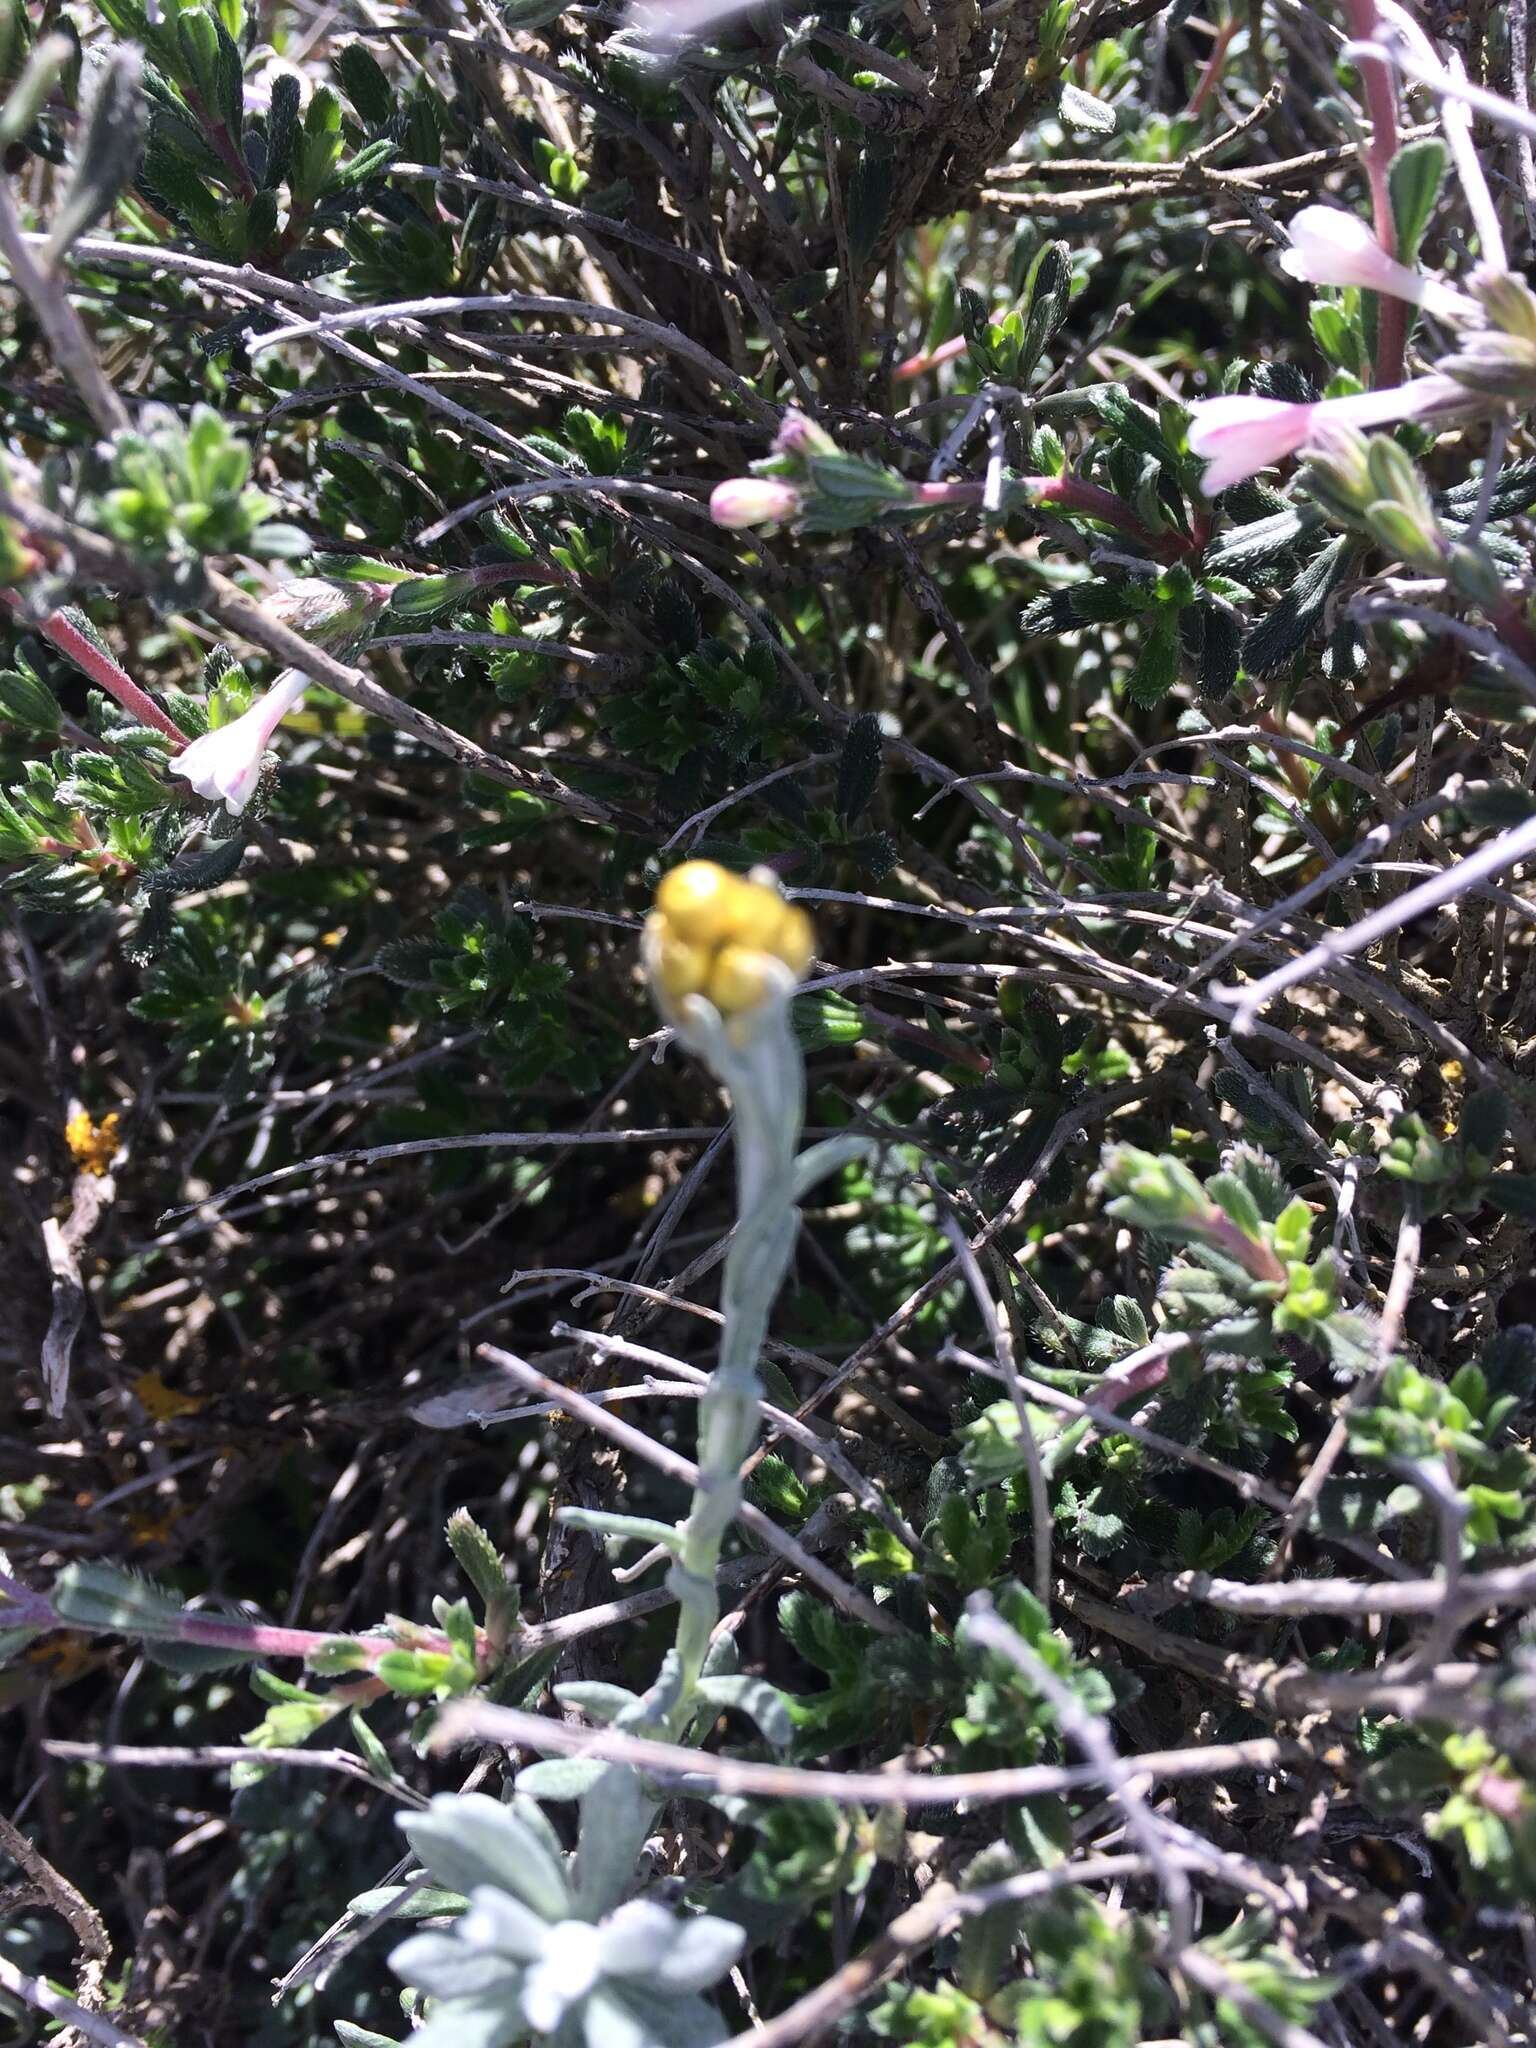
(1048, 485)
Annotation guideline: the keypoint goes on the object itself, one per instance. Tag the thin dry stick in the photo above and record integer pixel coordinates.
(406, 1148)
(218, 1756)
(1001, 1338)
(43, 1998)
(918, 1928)
(1520, 92)
(1284, 1691)
(1405, 1266)
(1091, 1733)
(1504, 852)
(68, 342)
(678, 1467)
(77, 1912)
(476, 1720)
(1473, 1593)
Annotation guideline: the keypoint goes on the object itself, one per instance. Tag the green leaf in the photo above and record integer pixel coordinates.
(866, 203)
(1263, 542)
(1157, 665)
(858, 767)
(467, 1839)
(1043, 304)
(27, 701)
(1494, 804)
(178, 190)
(1414, 181)
(1285, 630)
(1135, 424)
(1219, 649)
(1083, 111)
(484, 1566)
(373, 1752)
(561, 1777)
(414, 1674)
(282, 128)
(365, 84)
(109, 150)
(762, 1704)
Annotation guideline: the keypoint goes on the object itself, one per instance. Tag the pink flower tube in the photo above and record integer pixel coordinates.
(674, 20)
(225, 765)
(1330, 246)
(1240, 435)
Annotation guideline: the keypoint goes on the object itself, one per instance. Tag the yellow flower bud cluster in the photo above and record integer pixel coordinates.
(716, 935)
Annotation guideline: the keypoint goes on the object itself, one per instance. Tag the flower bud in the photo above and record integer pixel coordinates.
(336, 616)
(1337, 472)
(753, 501)
(1475, 576)
(1159, 1194)
(799, 435)
(1397, 530)
(1508, 301)
(1494, 365)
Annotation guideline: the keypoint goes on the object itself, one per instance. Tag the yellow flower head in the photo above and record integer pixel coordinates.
(92, 1145)
(723, 937)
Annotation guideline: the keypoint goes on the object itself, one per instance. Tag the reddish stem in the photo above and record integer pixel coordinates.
(929, 359)
(1381, 104)
(1072, 494)
(226, 147)
(1514, 630)
(102, 670)
(1117, 1387)
(21, 1607)
(1076, 494)
(1223, 1235)
(1214, 65)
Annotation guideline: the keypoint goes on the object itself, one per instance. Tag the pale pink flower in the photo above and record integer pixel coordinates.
(753, 501)
(1239, 435)
(1330, 246)
(225, 765)
(670, 21)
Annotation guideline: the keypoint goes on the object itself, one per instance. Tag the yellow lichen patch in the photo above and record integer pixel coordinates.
(1453, 1074)
(145, 1526)
(160, 1402)
(718, 935)
(92, 1145)
(63, 1659)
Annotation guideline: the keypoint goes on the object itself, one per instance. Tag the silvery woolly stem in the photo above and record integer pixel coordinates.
(766, 1080)
(765, 1077)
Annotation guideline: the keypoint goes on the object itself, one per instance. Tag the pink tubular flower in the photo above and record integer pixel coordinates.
(1239, 435)
(1330, 246)
(672, 21)
(753, 501)
(226, 764)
